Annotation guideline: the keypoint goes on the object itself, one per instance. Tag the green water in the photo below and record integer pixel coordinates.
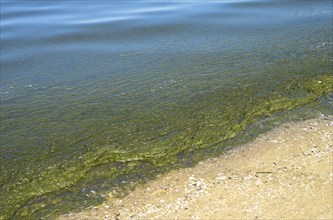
(83, 117)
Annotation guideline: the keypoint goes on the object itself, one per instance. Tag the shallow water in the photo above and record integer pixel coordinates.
(96, 94)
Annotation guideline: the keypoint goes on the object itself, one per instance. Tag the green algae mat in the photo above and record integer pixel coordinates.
(160, 141)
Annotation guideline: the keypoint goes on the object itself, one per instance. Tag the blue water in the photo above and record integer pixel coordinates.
(97, 92)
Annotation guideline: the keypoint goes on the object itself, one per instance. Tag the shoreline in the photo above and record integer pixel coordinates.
(286, 173)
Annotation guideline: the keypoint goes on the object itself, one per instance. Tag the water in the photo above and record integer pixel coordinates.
(98, 94)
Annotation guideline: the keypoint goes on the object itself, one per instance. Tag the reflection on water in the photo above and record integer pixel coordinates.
(97, 93)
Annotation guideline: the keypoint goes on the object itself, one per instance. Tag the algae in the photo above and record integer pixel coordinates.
(100, 169)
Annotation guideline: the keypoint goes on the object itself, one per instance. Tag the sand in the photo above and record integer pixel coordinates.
(286, 173)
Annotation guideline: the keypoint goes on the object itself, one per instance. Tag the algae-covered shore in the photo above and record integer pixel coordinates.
(107, 96)
(208, 134)
(286, 173)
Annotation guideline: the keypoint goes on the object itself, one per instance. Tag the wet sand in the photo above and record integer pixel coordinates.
(286, 173)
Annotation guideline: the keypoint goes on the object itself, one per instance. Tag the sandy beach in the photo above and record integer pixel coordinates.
(286, 173)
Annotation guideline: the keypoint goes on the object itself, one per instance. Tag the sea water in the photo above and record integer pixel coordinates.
(99, 95)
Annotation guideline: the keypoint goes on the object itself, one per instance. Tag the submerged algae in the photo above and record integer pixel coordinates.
(81, 181)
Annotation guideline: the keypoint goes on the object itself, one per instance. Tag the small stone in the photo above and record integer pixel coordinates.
(222, 178)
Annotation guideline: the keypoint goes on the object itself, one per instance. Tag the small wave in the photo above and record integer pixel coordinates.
(152, 9)
(104, 19)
